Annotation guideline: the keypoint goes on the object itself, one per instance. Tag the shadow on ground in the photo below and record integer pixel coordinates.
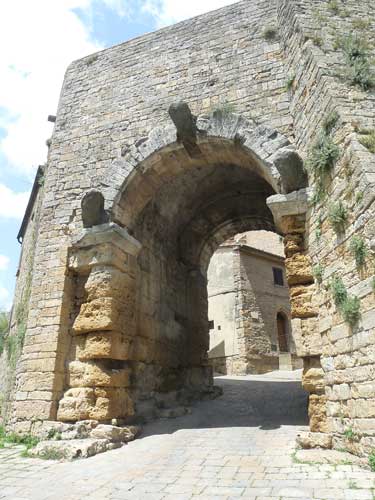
(246, 402)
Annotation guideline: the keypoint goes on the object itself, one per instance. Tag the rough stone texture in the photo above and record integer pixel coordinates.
(114, 433)
(72, 449)
(92, 205)
(113, 133)
(309, 440)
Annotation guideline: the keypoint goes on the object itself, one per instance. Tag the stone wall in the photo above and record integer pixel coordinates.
(15, 340)
(312, 36)
(182, 196)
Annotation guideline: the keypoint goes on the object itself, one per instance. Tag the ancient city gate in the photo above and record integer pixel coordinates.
(110, 314)
(138, 281)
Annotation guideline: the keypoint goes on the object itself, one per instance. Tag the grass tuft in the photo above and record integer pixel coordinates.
(359, 250)
(338, 217)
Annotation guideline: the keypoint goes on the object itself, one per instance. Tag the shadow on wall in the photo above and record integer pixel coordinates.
(245, 403)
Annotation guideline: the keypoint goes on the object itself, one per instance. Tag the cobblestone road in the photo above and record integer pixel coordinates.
(239, 446)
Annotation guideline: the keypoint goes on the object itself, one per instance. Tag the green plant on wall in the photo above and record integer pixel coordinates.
(270, 33)
(333, 6)
(350, 310)
(338, 216)
(318, 271)
(224, 108)
(371, 460)
(349, 306)
(338, 291)
(290, 82)
(323, 156)
(359, 250)
(367, 139)
(357, 52)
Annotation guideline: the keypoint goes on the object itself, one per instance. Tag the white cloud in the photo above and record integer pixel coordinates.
(41, 38)
(4, 262)
(12, 205)
(170, 11)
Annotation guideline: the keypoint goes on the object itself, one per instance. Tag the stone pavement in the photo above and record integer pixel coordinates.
(239, 446)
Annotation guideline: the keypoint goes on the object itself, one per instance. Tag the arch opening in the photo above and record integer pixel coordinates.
(181, 210)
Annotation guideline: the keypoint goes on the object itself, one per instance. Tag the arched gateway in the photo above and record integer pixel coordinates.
(110, 308)
(139, 329)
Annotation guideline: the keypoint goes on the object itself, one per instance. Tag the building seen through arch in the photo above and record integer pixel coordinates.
(249, 307)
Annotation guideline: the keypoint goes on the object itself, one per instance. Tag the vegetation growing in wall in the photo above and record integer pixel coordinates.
(290, 82)
(359, 69)
(359, 250)
(350, 310)
(371, 460)
(338, 290)
(349, 306)
(323, 156)
(367, 139)
(318, 273)
(338, 216)
(4, 326)
(270, 33)
(361, 24)
(333, 6)
(351, 435)
(224, 108)
(359, 197)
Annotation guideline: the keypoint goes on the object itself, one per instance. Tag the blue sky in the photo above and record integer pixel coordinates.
(37, 46)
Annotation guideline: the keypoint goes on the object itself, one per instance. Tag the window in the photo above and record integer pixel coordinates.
(219, 327)
(278, 278)
(211, 325)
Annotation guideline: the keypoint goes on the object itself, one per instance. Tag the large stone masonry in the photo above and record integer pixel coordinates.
(290, 214)
(103, 332)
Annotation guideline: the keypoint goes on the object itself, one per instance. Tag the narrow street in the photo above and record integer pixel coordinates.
(240, 445)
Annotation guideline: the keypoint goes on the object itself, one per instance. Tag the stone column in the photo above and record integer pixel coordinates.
(289, 212)
(103, 332)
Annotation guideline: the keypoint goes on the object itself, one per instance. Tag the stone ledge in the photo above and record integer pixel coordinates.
(107, 233)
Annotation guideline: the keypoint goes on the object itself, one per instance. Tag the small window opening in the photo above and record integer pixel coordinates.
(278, 277)
(211, 324)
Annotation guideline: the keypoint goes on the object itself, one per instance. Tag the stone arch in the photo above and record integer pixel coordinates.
(268, 151)
(171, 201)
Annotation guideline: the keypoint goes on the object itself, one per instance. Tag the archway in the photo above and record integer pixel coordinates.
(182, 197)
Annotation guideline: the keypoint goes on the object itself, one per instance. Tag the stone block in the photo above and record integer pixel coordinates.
(313, 380)
(103, 345)
(301, 301)
(98, 404)
(293, 243)
(306, 337)
(318, 413)
(96, 374)
(298, 270)
(114, 433)
(308, 440)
